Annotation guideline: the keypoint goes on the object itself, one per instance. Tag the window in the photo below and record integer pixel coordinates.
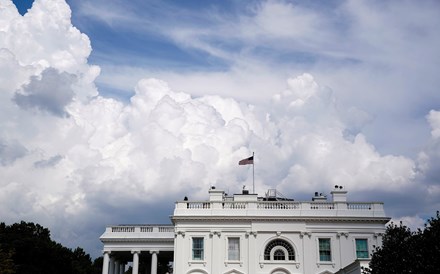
(279, 255)
(361, 248)
(325, 253)
(197, 248)
(234, 249)
(279, 250)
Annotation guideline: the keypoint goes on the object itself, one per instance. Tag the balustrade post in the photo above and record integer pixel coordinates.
(377, 206)
(341, 205)
(252, 205)
(216, 205)
(305, 206)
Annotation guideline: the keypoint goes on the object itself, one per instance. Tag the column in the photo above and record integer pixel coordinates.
(154, 261)
(121, 269)
(135, 261)
(117, 265)
(111, 269)
(105, 262)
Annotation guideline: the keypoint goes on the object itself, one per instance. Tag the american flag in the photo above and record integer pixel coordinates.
(247, 161)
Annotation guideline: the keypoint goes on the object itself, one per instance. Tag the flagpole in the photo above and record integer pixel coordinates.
(253, 172)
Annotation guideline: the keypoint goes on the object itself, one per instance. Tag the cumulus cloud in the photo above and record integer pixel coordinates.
(49, 162)
(428, 161)
(11, 151)
(95, 160)
(50, 92)
(434, 120)
(413, 222)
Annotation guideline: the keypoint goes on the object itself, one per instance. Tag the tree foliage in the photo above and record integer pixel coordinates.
(403, 251)
(6, 262)
(27, 248)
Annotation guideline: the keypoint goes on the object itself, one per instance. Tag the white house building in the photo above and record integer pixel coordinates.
(245, 234)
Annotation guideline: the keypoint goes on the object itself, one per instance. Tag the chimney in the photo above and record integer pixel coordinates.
(215, 194)
(339, 194)
(319, 197)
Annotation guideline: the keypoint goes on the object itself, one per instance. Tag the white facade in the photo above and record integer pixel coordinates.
(247, 234)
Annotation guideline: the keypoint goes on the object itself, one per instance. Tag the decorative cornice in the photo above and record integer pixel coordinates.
(325, 263)
(233, 263)
(194, 262)
(377, 234)
(339, 234)
(218, 233)
(304, 233)
(254, 233)
(182, 233)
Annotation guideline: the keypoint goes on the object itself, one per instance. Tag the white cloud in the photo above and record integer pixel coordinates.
(50, 92)
(10, 151)
(413, 222)
(434, 120)
(428, 160)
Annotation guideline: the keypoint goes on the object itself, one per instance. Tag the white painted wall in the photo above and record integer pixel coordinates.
(338, 220)
(257, 223)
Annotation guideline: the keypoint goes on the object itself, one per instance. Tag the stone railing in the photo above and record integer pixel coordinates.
(118, 234)
(143, 229)
(360, 206)
(278, 205)
(123, 229)
(284, 208)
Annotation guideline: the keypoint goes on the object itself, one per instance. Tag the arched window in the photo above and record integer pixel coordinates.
(279, 255)
(279, 250)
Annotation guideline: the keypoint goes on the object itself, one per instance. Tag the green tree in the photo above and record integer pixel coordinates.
(97, 265)
(81, 261)
(403, 251)
(6, 262)
(431, 245)
(27, 248)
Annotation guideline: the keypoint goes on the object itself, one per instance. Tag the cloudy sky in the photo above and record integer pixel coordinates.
(112, 110)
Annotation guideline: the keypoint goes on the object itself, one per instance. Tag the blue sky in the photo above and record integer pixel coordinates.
(101, 100)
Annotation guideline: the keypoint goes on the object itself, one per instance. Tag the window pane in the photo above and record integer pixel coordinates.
(278, 255)
(325, 254)
(234, 249)
(361, 248)
(197, 249)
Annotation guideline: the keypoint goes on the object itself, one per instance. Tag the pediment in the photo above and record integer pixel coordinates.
(197, 271)
(280, 271)
(325, 272)
(233, 271)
